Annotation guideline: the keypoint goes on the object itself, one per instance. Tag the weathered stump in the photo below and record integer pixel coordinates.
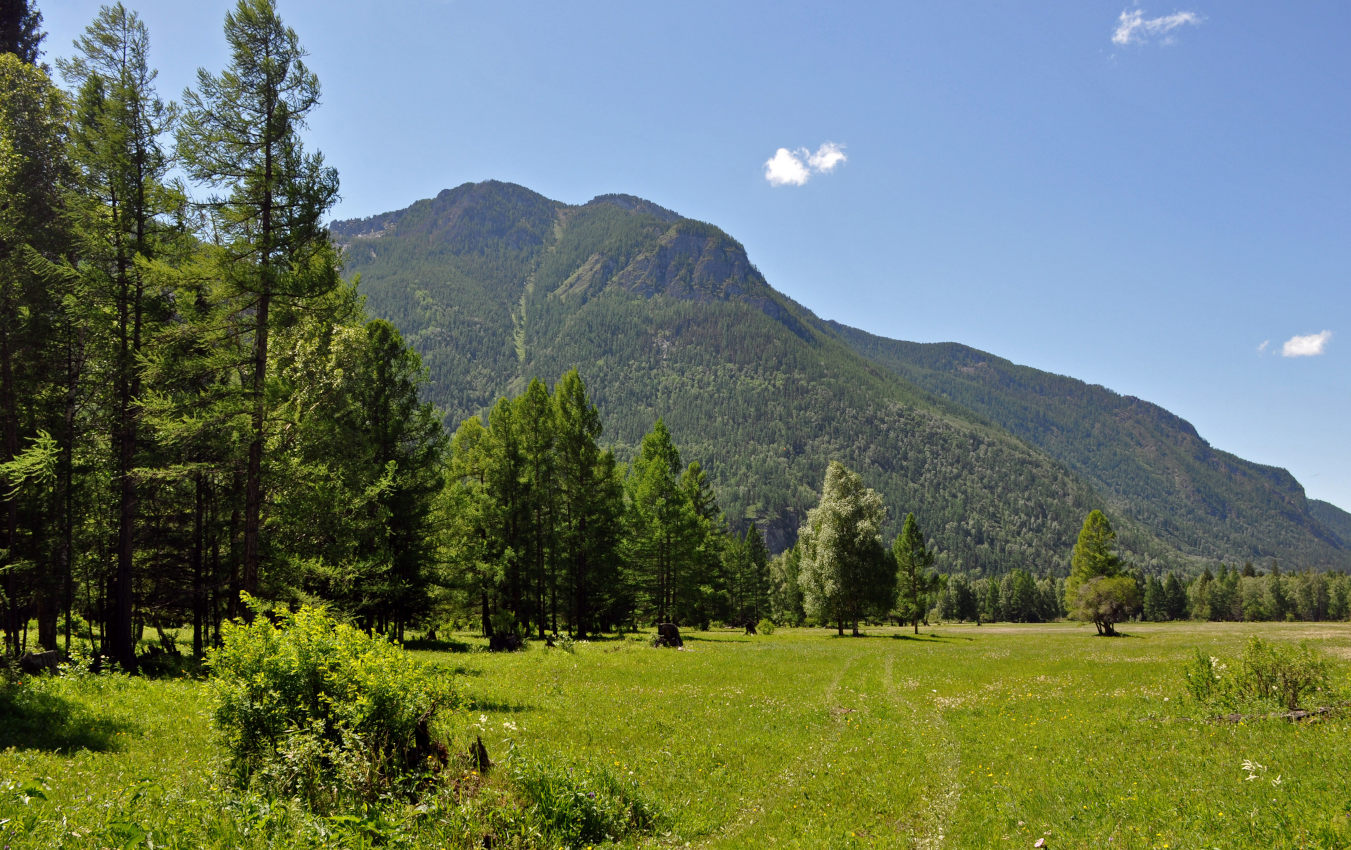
(478, 755)
(668, 635)
(33, 663)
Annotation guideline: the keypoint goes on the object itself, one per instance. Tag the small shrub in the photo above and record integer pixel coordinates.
(582, 807)
(1266, 674)
(317, 709)
(765, 626)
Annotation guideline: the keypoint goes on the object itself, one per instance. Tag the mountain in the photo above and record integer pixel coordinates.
(665, 316)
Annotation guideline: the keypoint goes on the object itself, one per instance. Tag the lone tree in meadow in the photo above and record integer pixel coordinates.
(845, 571)
(1096, 591)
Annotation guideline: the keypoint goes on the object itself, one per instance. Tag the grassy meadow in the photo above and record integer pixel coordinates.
(960, 737)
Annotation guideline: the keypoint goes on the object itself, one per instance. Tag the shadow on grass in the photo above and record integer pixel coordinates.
(477, 704)
(438, 645)
(740, 638)
(923, 637)
(33, 720)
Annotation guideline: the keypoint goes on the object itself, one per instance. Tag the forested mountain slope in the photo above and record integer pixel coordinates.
(666, 316)
(1151, 464)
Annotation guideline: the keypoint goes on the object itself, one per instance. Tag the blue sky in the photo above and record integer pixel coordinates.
(1156, 198)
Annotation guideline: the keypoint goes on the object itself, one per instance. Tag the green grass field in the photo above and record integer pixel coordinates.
(961, 737)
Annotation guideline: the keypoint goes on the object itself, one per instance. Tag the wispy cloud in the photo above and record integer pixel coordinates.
(1261, 349)
(1311, 345)
(795, 167)
(1132, 27)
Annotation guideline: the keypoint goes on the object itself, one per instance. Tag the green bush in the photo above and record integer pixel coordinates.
(313, 708)
(577, 808)
(1266, 674)
(765, 627)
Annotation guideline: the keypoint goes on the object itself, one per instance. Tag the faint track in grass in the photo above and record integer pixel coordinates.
(788, 780)
(943, 788)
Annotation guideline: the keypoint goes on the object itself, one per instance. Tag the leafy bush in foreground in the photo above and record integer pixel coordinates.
(1266, 674)
(317, 709)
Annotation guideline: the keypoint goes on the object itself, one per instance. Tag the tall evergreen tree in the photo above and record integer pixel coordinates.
(34, 177)
(533, 416)
(915, 579)
(21, 30)
(660, 522)
(119, 121)
(1095, 590)
(589, 507)
(241, 132)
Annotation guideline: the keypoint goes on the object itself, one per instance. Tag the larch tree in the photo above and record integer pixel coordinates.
(1096, 591)
(660, 520)
(34, 181)
(241, 132)
(590, 506)
(118, 123)
(915, 578)
(845, 572)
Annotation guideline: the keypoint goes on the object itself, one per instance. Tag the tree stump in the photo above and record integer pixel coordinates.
(505, 642)
(668, 635)
(478, 755)
(33, 663)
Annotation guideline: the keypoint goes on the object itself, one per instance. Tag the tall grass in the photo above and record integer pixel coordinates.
(962, 737)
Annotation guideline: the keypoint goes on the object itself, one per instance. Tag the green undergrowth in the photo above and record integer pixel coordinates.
(959, 737)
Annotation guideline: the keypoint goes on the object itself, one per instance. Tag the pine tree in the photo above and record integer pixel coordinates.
(660, 522)
(589, 509)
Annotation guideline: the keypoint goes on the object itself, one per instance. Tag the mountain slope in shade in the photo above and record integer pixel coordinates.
(665, 316)
(1148, 462)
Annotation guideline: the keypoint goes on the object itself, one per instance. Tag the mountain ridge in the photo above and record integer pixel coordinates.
(494, 284)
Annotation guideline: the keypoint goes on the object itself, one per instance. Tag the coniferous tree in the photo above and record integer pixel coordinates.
(21, 30)
(914, 578)
(660, 520)
(241, 132)
(589, 510)
(122, 201)
(34, 178)
(533, 417)
(1096, 591)
(698, 585)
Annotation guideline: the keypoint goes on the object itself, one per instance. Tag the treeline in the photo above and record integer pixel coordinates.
(546, 532)
(193, 402)
(1228, 594)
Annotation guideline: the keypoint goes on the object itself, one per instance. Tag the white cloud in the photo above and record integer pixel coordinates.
(1311, 345)
(1261, 349)
(827, 157)
(785, 168)
(1132, 27)
(795, 167)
